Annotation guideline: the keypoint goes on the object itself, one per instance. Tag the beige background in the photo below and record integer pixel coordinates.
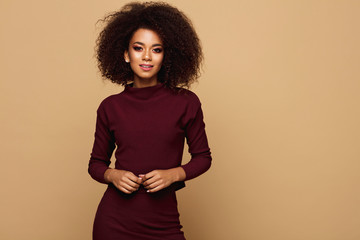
(280, 93)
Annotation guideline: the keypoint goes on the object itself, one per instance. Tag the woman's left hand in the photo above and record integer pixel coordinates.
(159, 179)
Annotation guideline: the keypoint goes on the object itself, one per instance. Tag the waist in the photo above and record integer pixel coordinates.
(142, 190)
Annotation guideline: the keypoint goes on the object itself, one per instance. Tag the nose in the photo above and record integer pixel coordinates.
(147, 55)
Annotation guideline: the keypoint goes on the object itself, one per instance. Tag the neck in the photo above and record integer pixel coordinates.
(144, 83)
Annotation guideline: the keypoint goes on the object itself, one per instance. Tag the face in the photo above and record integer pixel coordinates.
(145, 55)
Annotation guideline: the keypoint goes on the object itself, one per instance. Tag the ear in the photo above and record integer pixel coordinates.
(126, 56)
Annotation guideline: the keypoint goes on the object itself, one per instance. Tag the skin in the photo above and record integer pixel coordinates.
(145, 47)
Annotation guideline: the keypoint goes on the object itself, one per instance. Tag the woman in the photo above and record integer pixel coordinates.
(153, 51)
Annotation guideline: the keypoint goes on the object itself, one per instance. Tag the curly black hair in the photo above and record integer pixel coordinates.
(182, 49)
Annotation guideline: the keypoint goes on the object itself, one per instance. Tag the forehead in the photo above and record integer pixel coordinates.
(146, 36)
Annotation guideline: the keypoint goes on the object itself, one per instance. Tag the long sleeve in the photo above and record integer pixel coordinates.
(196, 139)
(104, 145)
(148, 126)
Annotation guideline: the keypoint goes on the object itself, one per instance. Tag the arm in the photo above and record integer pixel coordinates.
(104, 145)
(103, 148)
(199, 149)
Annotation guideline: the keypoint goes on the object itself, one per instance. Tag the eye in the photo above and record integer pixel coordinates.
(157, 50)
(137, 48)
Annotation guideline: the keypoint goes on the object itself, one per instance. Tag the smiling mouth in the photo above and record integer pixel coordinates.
(146, 67)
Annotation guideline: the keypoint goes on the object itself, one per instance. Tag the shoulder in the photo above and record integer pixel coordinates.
(188, 100)
(108, 102)
(188, 96)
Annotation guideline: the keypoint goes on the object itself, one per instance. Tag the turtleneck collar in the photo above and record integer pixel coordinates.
(143, 92)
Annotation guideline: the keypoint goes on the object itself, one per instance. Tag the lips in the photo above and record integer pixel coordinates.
(146, 67)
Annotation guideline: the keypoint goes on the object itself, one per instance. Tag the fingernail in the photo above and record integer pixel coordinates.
(147, 190)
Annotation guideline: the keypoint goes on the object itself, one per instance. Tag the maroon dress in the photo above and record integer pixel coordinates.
(148, 127)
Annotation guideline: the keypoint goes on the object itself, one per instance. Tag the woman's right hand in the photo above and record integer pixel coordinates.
(123, 180)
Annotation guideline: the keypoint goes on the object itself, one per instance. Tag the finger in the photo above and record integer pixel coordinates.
(132, 177)
(131, 183)
(141, 178)
(128, 187)
(150, 185)
(124, 190)
(150, 174)
(154, 182)
(154, 185)
(158, 188)
(137, 180)
(151, 181)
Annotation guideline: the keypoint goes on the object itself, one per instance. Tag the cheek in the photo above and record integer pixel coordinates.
(160, 58)
(134, 55)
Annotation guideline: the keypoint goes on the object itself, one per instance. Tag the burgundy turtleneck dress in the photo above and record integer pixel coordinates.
(148, 127)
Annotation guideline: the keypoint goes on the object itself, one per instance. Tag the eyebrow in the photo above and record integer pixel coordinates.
(154, 45)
